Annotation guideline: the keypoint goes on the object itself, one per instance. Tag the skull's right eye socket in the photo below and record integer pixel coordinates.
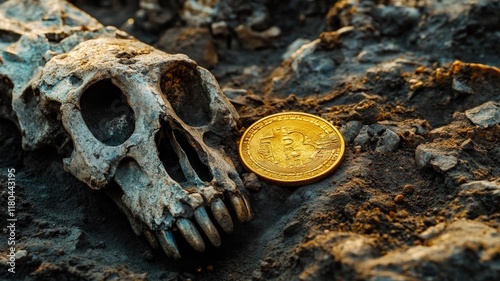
(107, 113)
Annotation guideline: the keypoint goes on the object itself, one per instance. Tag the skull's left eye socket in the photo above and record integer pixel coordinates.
(107, 113)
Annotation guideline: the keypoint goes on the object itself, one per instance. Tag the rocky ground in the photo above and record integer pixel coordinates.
(414, 88)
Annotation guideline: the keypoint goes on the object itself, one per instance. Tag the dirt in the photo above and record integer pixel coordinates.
(421, 206)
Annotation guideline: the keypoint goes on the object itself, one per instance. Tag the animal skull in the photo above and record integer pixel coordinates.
(150, 121)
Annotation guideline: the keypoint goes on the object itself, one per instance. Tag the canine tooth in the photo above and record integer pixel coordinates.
(222, 215)
(239, 207)
(167, 242)
(208, 227)
(189, 231)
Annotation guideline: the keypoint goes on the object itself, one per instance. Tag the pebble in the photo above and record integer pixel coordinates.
(350, 130)
(251, 40)
(236, 96)
(408, 189)
(485, 115)
(437, 159)
(393, 20)
(220, 28)
(443, 163)
(388, 142)
(21, 255)
(251, 181)
(399, 198)
(364, 136)
(197, 43)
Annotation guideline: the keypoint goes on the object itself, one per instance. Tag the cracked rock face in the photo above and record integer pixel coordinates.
(124, 112)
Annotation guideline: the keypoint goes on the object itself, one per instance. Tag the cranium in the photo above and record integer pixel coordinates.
(150, 121)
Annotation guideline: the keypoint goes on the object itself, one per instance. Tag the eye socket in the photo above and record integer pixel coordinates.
(107, 113)
(182, 87)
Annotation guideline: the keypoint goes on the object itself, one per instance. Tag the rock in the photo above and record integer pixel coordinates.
(236, 96)
(197, 43)
(259, 19)
(350, 130)
(364, 136)
(437, 159)
(443, 163)
(388, 142)
(393, 20)
(220, 28)
(485, 115)
(293, 47)
(461, 86)
(21, 255)
(345, 249)
(477, 198)
(251, 40)
(457, 251)
(332, 39)
(399, 198)
(152, 16)
(198, 13)
(432, 231)
(375, 53)
(251, 181)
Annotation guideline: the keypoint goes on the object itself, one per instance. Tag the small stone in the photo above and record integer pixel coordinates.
(21, 255)
(220, 28)
(257, 275)
(399, 198)
(388, 142)
(467, 144)
(251, 181)
(408, 189)
(197, 43)
(350, 130)
(460, 86)
(394, 20)
(438, 159)
(363, 136)
(485, 115)
(236, 96)
(444, 163)
(294, 47)
(252, 40)
(357, 149)
(197, 13)
(259, 20)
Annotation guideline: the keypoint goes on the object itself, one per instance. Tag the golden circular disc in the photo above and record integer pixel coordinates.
(292, 148)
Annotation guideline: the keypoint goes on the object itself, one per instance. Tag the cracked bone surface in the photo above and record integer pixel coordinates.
(123, 112)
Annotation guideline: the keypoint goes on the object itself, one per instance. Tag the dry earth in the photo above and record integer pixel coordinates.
(413, 87)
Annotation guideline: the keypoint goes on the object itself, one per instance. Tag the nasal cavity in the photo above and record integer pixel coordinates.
(194, 157)
(172, 147)
(107, 113)
(182, 87)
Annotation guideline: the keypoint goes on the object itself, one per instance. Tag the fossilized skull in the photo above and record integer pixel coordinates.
(150, 121)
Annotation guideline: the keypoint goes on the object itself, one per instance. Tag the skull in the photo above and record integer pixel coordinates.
(151, 122)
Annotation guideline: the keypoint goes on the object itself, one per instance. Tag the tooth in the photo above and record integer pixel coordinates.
(191, 234)
(208, 227)
(246, 199)
(168, 244)
(239, 207)
(221, 215)
(151, 239)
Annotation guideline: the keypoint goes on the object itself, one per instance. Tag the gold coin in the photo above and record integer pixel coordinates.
(292, 148)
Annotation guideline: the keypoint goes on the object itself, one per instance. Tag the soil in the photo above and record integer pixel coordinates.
(417, 196)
